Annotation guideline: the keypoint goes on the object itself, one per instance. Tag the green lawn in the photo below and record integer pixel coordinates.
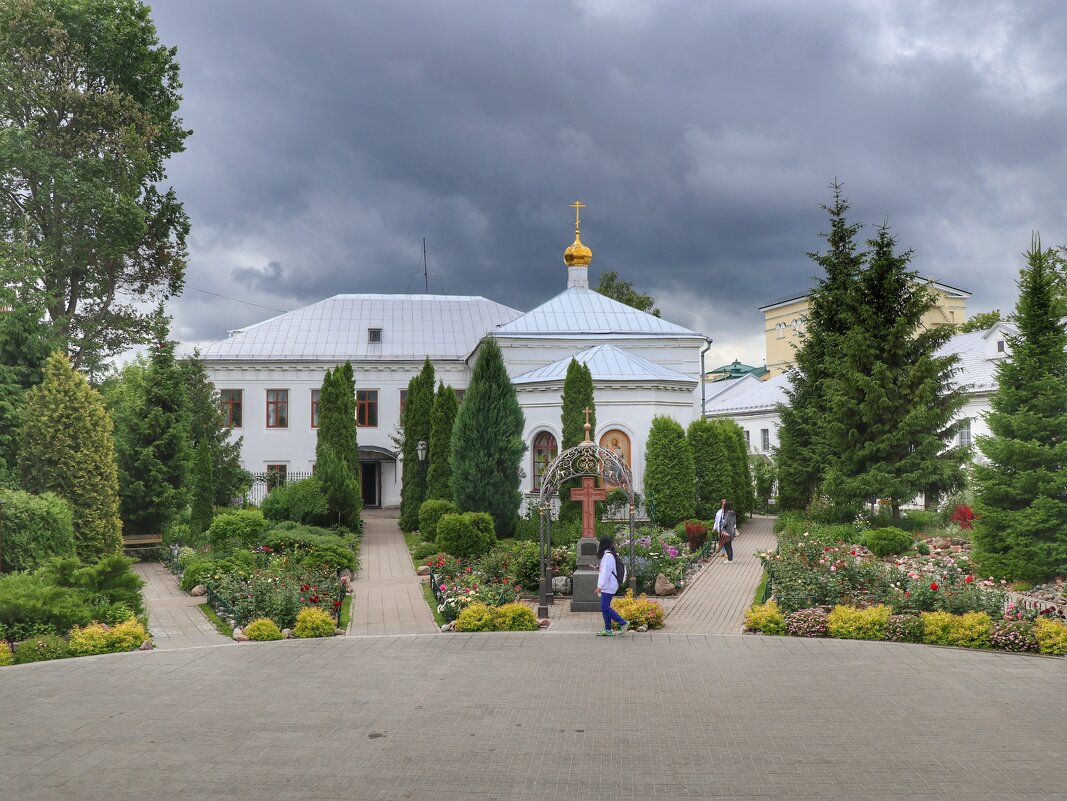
(346, 613)
(427, 593)
(220, 624)
(761, 588)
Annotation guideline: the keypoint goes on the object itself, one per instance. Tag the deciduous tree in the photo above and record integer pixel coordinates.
(623, 291)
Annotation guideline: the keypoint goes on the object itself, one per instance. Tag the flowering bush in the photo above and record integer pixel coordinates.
(1013, 635)
(656, 551)
(279, 592)
(1051, 636)
(313, 622)
(766, 618)
(806, 623)
(850, 623)
(475, 617)
(904, 628)
(640, 611)
(262, 630)
(41, 649)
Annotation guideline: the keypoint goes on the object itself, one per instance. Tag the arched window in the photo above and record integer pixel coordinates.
(796, 327)
(545, 450)
(780, 328)
(618, 443)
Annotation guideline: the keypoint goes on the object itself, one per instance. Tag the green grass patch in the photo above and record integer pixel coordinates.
(758, 598)
(216, 621)
(427, 593)
(346, 613)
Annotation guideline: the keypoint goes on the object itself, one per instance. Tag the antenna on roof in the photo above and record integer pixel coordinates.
(425, 269)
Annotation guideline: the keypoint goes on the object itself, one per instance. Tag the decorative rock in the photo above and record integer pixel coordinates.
(237, 632)
(664, 586)
(561, 585)
(198, 590)
(287, 634)
(642, 628)
(339, 632)
(449, 626)
(146, 646)
(346, 575)
(242, 638)
(424, 570)
(544, 623)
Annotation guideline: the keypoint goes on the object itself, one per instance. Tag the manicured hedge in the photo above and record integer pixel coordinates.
(35, 528)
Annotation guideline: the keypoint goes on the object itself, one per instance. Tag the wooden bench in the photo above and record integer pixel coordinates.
(134, 541)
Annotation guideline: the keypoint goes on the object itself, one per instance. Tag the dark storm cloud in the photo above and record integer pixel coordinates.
(330, 138)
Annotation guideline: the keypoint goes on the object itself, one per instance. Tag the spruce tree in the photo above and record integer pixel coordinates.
(67, 448)
(803, 450)
(577, 397)
(892, 402)
(1021, 495)
(154, 453)
(339, 486)
(439, 475)
(337, 448)
(670, 483)
(203, 505)
(487, 446)
(418, 409)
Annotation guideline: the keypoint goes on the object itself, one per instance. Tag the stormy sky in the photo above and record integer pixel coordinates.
(331, 137)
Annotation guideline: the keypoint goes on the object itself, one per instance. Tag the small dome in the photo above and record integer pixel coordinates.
(577, 255)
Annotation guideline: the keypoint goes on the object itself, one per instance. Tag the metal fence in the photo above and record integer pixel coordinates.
(263, 483)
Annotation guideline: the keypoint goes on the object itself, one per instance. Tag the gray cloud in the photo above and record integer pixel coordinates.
(330, 138)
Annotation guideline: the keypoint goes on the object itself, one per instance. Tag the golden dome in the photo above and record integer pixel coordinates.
(577, 255)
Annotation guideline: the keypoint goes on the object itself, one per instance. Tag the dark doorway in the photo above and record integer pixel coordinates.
(370, 474)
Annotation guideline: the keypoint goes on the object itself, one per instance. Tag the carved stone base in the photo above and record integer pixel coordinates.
(583, 585)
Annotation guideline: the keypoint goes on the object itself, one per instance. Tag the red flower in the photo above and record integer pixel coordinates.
(907, 594)
(933, 585)
(336, 604)
(468, 570)
(853, 552)
(969, 579)
(826, 548)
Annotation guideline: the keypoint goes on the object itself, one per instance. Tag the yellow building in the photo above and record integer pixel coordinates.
(784, 320)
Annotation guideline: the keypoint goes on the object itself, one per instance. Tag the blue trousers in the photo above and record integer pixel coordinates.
(729, 548)
(609, 613)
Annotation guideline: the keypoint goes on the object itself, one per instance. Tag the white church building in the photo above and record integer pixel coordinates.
(269, 374)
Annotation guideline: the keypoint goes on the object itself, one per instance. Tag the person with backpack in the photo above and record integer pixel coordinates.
(611, 578)
(729, 530)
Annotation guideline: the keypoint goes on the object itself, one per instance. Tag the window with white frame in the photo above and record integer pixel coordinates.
(780, 328)
(965, 433)
(765, 439)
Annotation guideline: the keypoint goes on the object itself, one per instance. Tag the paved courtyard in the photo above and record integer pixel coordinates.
(527, 716)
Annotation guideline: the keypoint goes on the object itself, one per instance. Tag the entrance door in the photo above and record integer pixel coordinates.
(370, 474)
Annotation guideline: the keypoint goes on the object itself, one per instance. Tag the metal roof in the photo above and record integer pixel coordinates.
(578, 310)
(412, 327)
(606, 363)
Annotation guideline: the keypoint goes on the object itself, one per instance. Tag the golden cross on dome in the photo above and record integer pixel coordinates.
(577, 206)
(587, 411)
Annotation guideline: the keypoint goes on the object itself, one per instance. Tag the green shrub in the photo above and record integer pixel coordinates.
(1051, 636)
(972, 630)
(35, 528)
(904, 628)
(202, 570)
(528, 529)
(314, 622)
(98, 639)
(639, 611)
(766, 617)
(525, 564)
(938, 628)
(430, 513)
(514, 617)
(475, 617)
(467, 536)
(422, 550)
(886, 541)
(264, 629)
(111, 580)
(31, 604)
(670, 478)
(301, 502)
(41, 649)
(849, 623)
(6, 657)
(240, 528)
(919, 520)
(314, 547)
(185, 556)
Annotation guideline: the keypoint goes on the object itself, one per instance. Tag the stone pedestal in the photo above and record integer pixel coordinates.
(584, 598)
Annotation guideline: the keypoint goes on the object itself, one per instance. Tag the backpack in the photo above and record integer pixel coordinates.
(620, 570)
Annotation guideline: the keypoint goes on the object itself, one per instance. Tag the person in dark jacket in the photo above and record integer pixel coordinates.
(729, 530)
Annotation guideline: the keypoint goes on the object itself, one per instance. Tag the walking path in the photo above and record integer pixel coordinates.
(173, 617)
(387, 596)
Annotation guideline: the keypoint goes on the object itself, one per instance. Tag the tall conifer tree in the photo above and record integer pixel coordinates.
(892, 400)
(337, 448)
(741, 494)
(802, 451)
(487, 446)
(202, 508)
(418, 409)
(577, 396)
(439, 476)
(67, 448)
(670, 483)
(703, 441)
(1021, 495)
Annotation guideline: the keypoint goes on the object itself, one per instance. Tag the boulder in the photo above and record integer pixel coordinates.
(339, 632)
(449, 626)
(424, 570)
(146, 646)
(242, 638)
(198, 590)
(287, 634)
(237, 632)
(561, 585)
(664, 586)
(544, 623)
(642, 628)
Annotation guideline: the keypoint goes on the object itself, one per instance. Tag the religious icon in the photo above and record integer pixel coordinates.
(619, 444)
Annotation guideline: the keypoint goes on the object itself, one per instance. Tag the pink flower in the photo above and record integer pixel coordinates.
(442, 588)
(833, 568)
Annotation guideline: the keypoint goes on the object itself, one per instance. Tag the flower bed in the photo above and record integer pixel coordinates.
(457, 584)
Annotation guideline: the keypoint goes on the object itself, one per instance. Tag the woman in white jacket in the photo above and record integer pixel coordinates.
(607, 585)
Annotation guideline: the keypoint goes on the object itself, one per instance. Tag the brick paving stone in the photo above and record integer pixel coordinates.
(173, 617)
(518, 716)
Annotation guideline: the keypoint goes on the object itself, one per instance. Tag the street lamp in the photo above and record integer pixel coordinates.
(421, 448)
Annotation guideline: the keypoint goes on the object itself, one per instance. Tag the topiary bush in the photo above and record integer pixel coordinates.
(6, 657)
(971, 630)
(1051, 636)
(313, 622)
(886, 541)
(670, 478)
(240, 528)
(639, 611)
(807, 623)
(938, 628)
(1013, 635)
(100, 639)
(514, 617)
(476, 617)
(467, 536)
(850, 623)
(41, 649)
(766, 617)
(35, 528)
(301, 502)
(904, 628)
(264, 629)
(430, 513)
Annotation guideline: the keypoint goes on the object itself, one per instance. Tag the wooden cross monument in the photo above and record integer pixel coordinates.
(588, 494)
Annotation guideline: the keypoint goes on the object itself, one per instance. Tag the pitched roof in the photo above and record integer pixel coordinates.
(581, 311)
(748, 394)
(606, 363)
(412, 328)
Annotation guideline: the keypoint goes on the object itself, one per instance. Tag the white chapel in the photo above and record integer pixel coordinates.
(269, 374)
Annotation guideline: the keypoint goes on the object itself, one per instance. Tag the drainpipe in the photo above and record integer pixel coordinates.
(703, 377)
